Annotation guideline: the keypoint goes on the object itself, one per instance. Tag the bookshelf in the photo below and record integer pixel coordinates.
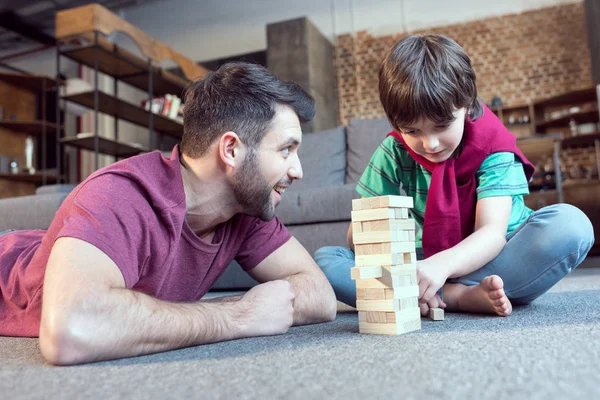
(81, 33)
(24, 113)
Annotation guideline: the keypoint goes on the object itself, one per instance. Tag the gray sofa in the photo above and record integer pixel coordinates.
(316, 209)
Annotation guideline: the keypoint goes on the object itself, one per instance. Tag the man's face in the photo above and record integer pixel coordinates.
(268, 171)
(435, 142)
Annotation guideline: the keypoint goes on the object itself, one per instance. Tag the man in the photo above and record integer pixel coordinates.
(135, 246)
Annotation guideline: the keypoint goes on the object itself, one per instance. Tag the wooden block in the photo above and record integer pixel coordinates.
(389, 329)
(371, 294)
(383, 237)
(385, 305)
(436, 314)
(388, 225)
(373, 215)
(370, 249)
(377, 305)
(401, 213)
(403, 269)
(387, 282)
(383, 202)
(366, 272)
(402, 292)
(394, 258)
(357, 227)
(383, 317)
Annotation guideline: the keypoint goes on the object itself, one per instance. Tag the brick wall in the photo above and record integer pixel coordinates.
(519, 57)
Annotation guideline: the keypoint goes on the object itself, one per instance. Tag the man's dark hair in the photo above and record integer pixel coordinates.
(238, 97)
(427, 76)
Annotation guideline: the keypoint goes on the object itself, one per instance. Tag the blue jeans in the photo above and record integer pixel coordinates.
(551, 243)
(8, 231)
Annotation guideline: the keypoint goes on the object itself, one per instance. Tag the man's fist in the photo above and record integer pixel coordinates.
(268, 308)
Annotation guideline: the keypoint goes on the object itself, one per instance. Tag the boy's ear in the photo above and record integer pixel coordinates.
(232, 150)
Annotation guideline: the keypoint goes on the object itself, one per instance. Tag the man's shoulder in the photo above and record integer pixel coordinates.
(149, 177)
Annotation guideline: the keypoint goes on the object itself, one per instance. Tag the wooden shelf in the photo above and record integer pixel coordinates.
(29, 127)
(128, 112)
(106, 146)
(577, 96)
(581, 140)
(128, 68)
(37, 178)
(32, 83)
(580, 118)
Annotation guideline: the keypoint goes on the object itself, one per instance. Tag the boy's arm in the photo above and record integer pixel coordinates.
(479, 248)
(314, 297)
(89, 315)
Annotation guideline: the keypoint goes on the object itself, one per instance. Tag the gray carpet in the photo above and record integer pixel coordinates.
(546, 350)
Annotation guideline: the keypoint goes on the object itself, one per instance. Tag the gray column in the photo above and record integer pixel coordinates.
(297, 51)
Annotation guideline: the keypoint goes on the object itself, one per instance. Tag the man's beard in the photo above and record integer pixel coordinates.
(252, 191)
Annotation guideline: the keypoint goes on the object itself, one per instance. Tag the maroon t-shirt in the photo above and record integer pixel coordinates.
(134, 211)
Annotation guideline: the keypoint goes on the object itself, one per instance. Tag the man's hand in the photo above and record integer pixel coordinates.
(269, 308)
(431, 277)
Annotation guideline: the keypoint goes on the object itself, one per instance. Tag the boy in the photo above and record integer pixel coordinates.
(479, 248)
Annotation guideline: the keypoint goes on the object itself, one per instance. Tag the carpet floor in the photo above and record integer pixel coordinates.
(547, 350)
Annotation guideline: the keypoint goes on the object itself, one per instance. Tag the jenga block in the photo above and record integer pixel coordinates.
(377, 305)
(383, 317)
(389, 329)
(403, 269)
(387, 282)
(371, 249)
(388, 225)
(383, 202)
(384, 236)
(386, 259)
(366, 272)
(436, 314)
(402, 292)
(357, 227)
(379, 213)
(371, 294)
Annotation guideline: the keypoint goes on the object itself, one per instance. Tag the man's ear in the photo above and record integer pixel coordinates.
(231, 149)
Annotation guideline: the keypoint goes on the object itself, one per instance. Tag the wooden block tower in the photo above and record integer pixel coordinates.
(386, 265)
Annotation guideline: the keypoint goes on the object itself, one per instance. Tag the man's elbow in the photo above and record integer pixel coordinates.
(328, 308)
(60, 344)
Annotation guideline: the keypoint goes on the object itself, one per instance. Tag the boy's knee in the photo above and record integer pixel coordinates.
(576, 227)
(328, 254)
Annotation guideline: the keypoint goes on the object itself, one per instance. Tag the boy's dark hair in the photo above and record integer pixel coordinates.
(427, 76)
(238, 97)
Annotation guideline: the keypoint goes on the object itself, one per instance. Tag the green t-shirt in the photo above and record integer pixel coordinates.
(391, 168)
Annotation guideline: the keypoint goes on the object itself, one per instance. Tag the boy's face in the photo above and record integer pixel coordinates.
(436, 142)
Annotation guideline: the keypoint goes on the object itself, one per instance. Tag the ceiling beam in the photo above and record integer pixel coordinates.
(12, 22)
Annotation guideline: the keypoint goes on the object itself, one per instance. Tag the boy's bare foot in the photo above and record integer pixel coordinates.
(487, 297)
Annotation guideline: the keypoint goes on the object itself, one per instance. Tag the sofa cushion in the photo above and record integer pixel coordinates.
(29, 212)
(323, 158)
(328, 204)
(59, 188)
(363, 137)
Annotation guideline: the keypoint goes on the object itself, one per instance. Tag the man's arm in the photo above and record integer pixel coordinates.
(315, 300)
(476, 250)
(88, 314)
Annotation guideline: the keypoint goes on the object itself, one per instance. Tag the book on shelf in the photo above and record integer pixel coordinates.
(169, 106)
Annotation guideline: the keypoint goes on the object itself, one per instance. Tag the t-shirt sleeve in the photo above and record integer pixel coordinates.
(114, 221)
(501, 174)
(262, 239)
(383, 174)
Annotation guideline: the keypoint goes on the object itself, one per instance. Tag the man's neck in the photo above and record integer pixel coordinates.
(207, 196)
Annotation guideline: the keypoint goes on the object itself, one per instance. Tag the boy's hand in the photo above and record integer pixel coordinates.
(436, 302)
(430, 277)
